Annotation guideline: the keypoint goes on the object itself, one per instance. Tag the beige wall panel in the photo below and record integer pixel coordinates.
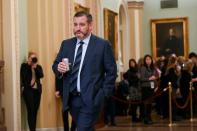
(64, 15)
(11, 96)
(47, 103)
(92, 4)
(60, 23)
(141, 32)
(132, 34)
(46, 29)
(32, 24)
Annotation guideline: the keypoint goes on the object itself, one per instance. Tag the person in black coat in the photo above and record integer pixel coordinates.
(186, 77)
(172, 75)
(148, 83)
(31, 73)
(193, 57)
(59, 93)
(122, 93)
(134, 89)
(109, 111)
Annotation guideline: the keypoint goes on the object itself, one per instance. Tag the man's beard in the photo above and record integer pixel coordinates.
(84, 34)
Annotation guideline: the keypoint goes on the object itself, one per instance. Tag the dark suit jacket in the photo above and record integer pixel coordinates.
(26, 76)
(173, 45)
(98, 71)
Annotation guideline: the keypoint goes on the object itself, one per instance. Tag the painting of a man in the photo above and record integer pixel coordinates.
(169, 36)
(170, 39)
(172, 45)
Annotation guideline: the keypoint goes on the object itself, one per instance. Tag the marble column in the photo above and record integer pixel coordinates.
(135, 9)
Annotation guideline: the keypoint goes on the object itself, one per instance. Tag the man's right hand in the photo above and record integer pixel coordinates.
(62, 67)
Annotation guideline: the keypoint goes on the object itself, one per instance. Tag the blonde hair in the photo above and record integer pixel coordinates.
(188, 65)
(30, 53)
(180, 60)
(171, 64)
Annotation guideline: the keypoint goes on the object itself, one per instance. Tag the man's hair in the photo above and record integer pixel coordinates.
(192, 54)
(83, 13)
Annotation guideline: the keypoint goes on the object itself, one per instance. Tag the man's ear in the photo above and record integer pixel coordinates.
(91, 26)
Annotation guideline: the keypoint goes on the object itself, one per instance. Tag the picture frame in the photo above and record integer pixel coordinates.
(79, 7)
(110, 29)
(169, 36)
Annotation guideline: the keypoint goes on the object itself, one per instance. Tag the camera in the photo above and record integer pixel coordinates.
(34, 60)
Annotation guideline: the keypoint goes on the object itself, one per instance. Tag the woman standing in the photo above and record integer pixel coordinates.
(148, 77)
(172, 75)
(31, 73)
(134, 89)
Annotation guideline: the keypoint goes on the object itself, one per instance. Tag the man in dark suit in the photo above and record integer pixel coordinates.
(173, 45)
(91, 74)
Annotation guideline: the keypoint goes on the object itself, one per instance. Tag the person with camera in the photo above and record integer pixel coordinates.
(31, 73)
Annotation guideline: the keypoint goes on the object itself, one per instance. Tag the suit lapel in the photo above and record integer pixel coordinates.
(72, 50)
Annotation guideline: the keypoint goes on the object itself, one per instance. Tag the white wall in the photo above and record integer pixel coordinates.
(111, 4)
(186, 8)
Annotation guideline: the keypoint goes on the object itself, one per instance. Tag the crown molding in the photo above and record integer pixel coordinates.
(135, 4)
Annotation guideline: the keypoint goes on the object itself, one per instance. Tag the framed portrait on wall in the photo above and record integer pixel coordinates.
(110, 29)
(169, 36)
(79, 7)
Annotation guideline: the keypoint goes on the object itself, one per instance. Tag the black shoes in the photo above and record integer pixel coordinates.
(110, 124)
(113, 124)
(148, 122)
(135, 120)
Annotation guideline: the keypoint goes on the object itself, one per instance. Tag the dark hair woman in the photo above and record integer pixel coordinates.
(134, 89)
(148, 77)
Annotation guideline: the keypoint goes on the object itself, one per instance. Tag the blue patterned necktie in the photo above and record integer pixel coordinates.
(75, 68)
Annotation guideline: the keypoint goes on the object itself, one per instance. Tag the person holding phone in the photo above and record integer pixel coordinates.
(31, 73)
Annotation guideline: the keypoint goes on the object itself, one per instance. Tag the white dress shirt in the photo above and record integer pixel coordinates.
(84, 48)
